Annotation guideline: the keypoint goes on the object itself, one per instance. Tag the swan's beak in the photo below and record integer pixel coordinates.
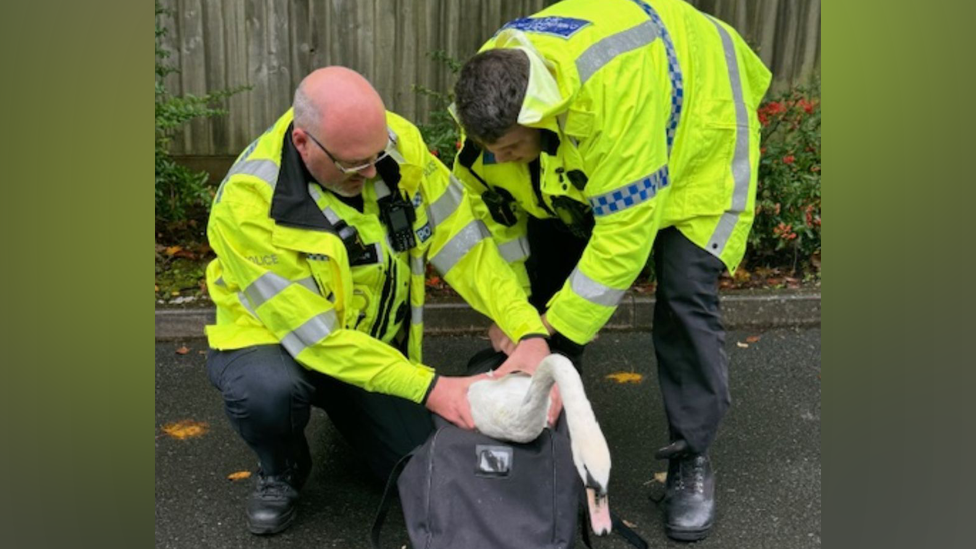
(599, 505)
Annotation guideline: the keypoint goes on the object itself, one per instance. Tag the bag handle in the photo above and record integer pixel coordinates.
(384, 508)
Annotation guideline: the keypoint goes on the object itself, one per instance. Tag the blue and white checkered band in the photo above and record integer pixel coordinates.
(418, 199)
(317, 257)
(674, 73)
(563, 27)
(631, 194)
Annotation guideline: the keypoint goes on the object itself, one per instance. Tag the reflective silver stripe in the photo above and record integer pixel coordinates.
(265, 287)
(417, 314)
(593, 291)
(601, 53)
(309, 282)
(444, 206)
(382, 190)
(514, 250)
(331, 215)
(741, 170)
(457, 247)
(630, 194)
(417, 265)
(265, 170)
(310, 333)
(271, 284)
(247, 306)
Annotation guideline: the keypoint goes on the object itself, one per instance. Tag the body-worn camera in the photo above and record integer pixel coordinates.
(576, 216)
(499, 203)
(398, 216)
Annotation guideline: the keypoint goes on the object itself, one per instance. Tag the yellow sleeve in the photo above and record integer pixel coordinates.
(293, 305)
(512, 242)
(463, 251)
(626, 162)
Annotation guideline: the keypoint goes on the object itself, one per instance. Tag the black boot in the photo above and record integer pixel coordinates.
(271, 507)
(689, 501)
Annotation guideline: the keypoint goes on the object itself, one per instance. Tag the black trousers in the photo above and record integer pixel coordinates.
(268, 399)
(689, 339)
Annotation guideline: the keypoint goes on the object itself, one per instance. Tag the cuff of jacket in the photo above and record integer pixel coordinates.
(430, 389)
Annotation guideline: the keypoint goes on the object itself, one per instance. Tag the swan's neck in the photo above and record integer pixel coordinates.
(562, 373)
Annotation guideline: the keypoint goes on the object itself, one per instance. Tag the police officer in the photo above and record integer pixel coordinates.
(323, 229)
(596, 132)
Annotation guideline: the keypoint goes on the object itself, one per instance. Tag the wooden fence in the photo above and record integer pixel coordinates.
(271, 45)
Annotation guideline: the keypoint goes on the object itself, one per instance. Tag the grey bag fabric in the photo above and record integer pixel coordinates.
(464, 489)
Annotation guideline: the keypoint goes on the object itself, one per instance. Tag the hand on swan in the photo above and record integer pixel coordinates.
(449, 399)
(526, 358)
(500, 341)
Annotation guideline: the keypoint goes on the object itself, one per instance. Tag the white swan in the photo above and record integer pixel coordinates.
(515, 408)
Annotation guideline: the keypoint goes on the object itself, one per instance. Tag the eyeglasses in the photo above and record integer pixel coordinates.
(350, 169)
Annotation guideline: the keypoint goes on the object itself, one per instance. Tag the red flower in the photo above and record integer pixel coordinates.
(458, 145)
(775, 107)
(814, 169)
(783, 230)
(763, 119)
(434, 152)
(789, 159)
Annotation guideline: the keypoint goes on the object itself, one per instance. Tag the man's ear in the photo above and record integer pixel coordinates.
(300, 140)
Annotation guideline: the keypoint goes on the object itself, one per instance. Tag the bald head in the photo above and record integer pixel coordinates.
(341, 109)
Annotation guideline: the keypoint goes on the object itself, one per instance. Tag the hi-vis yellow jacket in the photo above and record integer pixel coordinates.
(648, 112)
(283, 273)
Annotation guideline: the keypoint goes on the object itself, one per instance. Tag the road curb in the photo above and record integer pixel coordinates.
(770, 309)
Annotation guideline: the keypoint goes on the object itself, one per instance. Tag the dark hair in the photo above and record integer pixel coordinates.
(490, 91)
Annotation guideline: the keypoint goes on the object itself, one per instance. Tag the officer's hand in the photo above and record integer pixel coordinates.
(500, 341)
(449, 399)
(526, 357)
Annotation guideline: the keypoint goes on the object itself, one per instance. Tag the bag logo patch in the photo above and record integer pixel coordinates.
(493, 461)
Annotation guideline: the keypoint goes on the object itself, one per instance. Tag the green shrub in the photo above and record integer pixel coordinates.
(441, 132)
(181, 194)
(786, 233)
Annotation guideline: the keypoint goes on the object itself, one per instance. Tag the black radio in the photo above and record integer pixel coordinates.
(398, 216)
(500, 205)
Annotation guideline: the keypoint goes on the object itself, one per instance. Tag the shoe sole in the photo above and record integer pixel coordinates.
(687, 535)
(268, 529)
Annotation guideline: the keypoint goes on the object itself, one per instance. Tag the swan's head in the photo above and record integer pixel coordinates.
(592, 459)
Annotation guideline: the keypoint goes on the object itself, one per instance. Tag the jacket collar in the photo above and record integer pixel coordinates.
(292, 205)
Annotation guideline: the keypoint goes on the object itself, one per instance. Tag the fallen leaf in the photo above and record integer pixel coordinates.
(173, 250)
(201, 352)
(187, 428)
(175, 293)
(626, 377)
(157, 287)
(182, 350)
(628, 524)
(742, 345)
(661, 477)
(752, 339)
(240, 475)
